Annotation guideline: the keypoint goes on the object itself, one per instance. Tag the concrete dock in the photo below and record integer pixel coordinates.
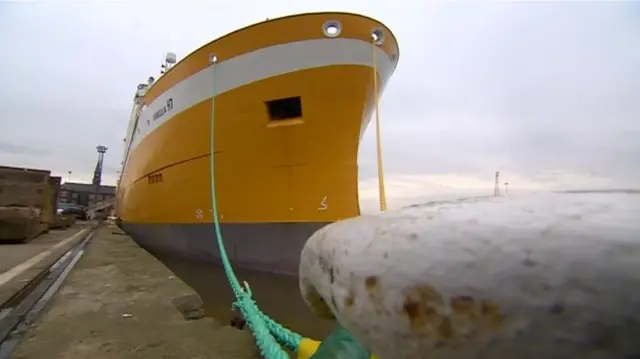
(120, 302)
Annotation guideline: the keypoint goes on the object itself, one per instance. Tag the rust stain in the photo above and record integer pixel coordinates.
(429, 294)
(462, 304)
(445, 329)
(491, 314)
(464, 314)
(431, 315)
(372, 286)
(349, 300)
(411, 309)
(420, 307)
(371, 283)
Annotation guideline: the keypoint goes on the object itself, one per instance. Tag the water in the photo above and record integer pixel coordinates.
(277, 296)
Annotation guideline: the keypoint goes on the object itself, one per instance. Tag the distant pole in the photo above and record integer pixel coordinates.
(69, 177)
(506, 188)
(97, 173)
(496, 189)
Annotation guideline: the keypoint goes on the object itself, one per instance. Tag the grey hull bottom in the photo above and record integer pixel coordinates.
(270, 247)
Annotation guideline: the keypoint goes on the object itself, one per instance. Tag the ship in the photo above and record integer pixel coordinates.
(290, 99)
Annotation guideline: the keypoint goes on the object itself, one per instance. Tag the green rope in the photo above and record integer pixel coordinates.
(269, 335)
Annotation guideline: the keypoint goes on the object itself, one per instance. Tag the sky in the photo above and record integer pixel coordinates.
(547, 93)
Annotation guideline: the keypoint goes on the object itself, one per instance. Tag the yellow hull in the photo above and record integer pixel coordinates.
(277, 180)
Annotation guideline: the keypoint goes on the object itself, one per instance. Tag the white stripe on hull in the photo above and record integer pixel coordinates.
(259, 65)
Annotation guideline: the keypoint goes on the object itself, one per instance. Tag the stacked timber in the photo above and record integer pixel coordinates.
(26, 205)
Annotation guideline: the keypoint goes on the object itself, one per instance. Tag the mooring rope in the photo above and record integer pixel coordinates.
(381, 189)
(270, 336)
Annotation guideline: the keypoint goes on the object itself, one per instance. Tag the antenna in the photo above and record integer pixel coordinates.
(162, 65)
(496, 189)
(167, 62)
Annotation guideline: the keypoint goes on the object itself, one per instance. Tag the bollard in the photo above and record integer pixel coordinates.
(548, 276)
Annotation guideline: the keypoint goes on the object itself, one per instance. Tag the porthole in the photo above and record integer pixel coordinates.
(331, 28)
(377, 35)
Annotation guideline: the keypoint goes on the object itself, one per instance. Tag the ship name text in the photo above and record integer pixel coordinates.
(164, 109)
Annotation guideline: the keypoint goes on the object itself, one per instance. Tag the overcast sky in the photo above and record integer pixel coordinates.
(547, 93)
